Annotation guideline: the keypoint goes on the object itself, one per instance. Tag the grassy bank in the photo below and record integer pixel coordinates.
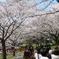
(8, 56)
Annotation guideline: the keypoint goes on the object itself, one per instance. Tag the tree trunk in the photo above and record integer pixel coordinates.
(13, 48)
(14, 53)
(4, 49)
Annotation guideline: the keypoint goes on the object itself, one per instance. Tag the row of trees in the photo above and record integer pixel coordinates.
(46, 26)
(12, 15)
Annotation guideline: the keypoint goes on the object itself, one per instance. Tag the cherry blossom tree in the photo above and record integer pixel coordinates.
(13, 13)
(14, 41)
(46, 25)
(12, 16)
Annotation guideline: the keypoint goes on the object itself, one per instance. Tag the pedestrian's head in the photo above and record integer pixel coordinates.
(44, 52)
(26, 47)
(56, 48)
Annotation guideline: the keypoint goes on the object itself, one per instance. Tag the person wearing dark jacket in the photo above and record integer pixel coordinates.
(26, 54)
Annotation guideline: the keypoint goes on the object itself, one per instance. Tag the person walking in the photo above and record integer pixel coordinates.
(26, 54)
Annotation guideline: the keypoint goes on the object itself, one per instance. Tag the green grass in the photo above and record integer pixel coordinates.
(0, 55)
(21, 52)
(8, 57)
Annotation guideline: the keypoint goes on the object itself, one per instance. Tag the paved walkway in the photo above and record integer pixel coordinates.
(19, 56)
